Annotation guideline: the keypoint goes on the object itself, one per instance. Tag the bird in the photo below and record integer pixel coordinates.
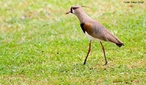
(94, 31)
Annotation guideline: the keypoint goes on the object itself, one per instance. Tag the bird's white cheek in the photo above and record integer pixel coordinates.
(73, 11)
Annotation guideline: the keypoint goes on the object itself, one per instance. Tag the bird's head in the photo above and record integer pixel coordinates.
(75, 10)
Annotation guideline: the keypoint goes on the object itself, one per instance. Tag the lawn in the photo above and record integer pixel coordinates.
(40, 44)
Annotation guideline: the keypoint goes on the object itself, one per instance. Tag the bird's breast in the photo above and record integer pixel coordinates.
(88, 30)
(86, 27)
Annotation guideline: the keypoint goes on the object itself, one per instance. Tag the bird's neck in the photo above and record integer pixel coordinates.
(83, 17)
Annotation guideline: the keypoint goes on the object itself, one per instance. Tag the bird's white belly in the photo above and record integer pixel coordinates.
(90, 37)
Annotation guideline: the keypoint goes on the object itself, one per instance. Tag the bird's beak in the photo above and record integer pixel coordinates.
(68, 12)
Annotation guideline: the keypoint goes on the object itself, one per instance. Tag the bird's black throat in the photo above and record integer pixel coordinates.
(82, 26)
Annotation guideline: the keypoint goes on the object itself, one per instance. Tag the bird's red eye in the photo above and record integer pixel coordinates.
(74, 8)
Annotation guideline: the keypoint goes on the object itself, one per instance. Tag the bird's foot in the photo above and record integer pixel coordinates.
(105, 63)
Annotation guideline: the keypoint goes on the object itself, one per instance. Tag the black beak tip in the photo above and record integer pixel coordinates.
(68, 12)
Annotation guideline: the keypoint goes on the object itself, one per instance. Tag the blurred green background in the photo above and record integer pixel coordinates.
(40, 44)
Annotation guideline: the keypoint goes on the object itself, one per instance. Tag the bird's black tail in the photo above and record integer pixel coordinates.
(119, 44)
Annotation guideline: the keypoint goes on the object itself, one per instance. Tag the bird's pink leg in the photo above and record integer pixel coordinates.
(104, 53)
(89, 49)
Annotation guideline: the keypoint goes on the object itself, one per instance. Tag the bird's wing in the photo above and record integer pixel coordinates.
(97, 30)
(93, 29)
(102, 33)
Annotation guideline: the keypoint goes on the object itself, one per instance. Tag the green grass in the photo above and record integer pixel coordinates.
(40, 44)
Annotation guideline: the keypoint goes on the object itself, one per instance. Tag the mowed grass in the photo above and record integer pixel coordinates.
(40, 44)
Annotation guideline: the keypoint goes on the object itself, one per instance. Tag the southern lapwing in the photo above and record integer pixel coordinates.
(94, 30)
